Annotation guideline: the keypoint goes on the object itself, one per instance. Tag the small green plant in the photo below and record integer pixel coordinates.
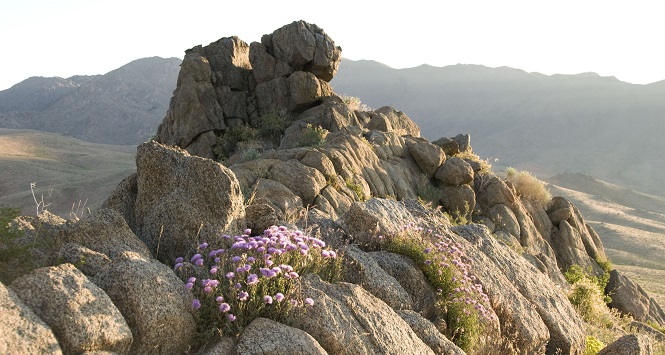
(356, 188)
(656, 326)
(272, 125)
(245, 277)
(355, 104)
(228, 142)
(593, 345)
(427, 192)
(461, 301)
(576, 273)
(529, 187)
(14, 256)
(313, 136)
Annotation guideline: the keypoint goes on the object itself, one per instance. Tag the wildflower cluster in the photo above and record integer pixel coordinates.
(244, 277)
(461, 299)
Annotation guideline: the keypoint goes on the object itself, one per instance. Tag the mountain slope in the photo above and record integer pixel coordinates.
(66, 170)
(121, 107)
(546, 124)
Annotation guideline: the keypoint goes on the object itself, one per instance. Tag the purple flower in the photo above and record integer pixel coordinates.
(224, 307)
(179, 260)
(196, 304)
(189, 285)
(269, 263)
(333, 254)
(218, 260)
(279, 297)
(231, 317)
(177, 266)
(303, 251)
(427, 250)
(198, 262)
(203, 245)
(191, 280)
(251, 259)
(219, 299)
(207, 289)
(261, 250)
(294, 303)
(267, 299)
(213, 270)
(247, 231)
(195, 257)
(230, 275)
(213, 253)
(252, 279)
(243, 296)
(293, 274)
(309, 301)
(235, 259)
(247, 267)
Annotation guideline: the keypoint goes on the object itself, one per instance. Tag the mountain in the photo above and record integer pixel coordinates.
(546, 124)
(120, 107)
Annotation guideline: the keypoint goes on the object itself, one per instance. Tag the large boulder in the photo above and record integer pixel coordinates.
(21, 331)
(154, 302)
(630, 344)
(105, 231)
(366, 221)
(182, 196)
(264, 336)
(346, 319)
(90, 262)
(428, 333)
(566, 330)
(631, 299)
(428, 156)
(458, 201)
(305, 46)
(81, 315)
(455, 172)
(387, 119)
(303, 180)
(362, 269)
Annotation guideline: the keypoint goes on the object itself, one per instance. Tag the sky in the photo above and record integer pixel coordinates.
(85, 37)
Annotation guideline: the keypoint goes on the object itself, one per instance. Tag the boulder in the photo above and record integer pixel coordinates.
(630, 298)
(388, 119)
(81, 315)
(181, 196)
(411, 279)
(88, 261)
(264, 336)
(194, 107)
(362, 269)
(265, 66)
(656, 334)
(491, 190)
(225, 346)
(272, 95)
(428, 156)
(428, 333)
(283, 201)
(305, 46)
(229, 62)
(346, 319)
(631, 344)
(449, 146)
(319, 161)
(105, 231)
(569, 249)
(566, 330)
(154, 302)
(504, 219)
(454, 172)
(458, 201)
(23, 332)
(123, 200)
(260, 217)
(303, 180)
(463, 141)
(305, 90)
(365, 221)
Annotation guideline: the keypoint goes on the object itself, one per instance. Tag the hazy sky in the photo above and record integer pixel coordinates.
(613, 38)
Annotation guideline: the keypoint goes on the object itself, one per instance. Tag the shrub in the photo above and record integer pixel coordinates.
(356, 188)
(245, 277)
(427, 192)
(272, 125)
(529, 187)
(312, 136)
(593, 346)
(355, 104)
(590, 303)
(576, 273)
(461, 300)
(228, 142)
(485, 166)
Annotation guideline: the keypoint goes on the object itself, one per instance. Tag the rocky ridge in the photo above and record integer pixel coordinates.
(348, 175)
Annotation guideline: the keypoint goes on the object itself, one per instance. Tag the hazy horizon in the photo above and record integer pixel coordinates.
(75, 37)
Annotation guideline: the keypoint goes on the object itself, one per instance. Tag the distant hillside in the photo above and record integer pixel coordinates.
(546, 124)
(66, 170)
(123, 106)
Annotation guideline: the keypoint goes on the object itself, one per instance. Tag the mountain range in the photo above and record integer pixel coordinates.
(122, 107)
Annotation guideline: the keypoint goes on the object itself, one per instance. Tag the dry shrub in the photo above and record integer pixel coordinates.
(529, 187)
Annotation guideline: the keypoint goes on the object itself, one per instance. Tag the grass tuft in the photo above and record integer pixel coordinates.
(529, 187)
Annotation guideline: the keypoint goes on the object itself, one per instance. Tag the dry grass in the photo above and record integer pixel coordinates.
(529, 187)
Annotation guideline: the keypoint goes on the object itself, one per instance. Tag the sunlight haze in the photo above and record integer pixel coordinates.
(70, 37)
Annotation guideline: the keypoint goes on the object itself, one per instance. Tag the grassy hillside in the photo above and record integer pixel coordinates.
(66, 170)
